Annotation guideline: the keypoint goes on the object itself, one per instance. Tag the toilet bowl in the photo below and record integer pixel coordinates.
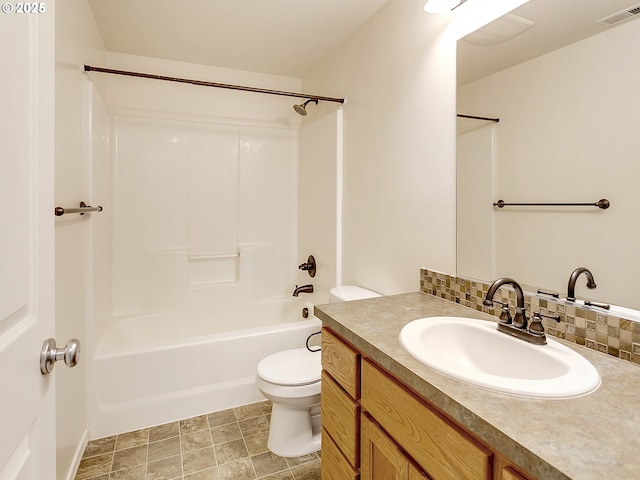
(291, 380)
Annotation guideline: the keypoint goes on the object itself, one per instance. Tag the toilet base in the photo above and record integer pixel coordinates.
(292, 433)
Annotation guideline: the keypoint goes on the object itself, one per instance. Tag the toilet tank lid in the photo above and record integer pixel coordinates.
(351, 292)
(291, 367)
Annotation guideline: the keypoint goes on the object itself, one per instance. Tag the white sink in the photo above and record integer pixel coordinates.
(475, 352)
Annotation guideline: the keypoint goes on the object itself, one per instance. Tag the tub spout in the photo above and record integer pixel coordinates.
(303, 289)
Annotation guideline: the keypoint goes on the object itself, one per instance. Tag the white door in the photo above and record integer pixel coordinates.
(27, 411)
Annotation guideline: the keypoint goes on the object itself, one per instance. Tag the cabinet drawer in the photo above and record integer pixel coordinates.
(340, 418)
(342, 362)
(334, 466)
(443, 450)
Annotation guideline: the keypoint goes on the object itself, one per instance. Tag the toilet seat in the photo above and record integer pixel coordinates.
(291, 367)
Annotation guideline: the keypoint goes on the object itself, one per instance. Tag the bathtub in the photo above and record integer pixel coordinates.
(155, 368)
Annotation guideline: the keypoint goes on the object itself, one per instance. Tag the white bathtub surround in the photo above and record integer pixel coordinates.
(203, 257)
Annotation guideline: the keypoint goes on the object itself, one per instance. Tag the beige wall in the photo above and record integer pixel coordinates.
(399, 152)
(567, 133)
(77, 41)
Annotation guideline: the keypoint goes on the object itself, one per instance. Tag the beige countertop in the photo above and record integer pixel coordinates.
(596, 436)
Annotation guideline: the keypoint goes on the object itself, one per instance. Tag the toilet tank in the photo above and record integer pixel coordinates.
(350, 292)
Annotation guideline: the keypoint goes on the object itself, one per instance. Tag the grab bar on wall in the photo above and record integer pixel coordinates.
(84, 208)
(602, 203)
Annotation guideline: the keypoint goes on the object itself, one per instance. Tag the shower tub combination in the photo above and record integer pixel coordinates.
(156, 368)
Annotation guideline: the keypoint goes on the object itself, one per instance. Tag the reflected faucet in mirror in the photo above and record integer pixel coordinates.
(571, 288)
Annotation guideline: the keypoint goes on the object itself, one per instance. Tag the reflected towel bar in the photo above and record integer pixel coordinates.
(602, 203)
(84, 208)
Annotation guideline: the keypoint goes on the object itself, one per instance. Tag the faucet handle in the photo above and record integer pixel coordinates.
(505, 314)
(536, 327)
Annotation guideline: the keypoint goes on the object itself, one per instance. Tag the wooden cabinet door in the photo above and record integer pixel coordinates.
(381, 458)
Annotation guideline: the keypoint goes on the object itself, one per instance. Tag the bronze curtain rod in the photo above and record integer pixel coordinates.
(89, 68)
(479, 118)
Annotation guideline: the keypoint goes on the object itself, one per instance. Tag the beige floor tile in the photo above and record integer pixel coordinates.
(129, 457)
(169, 447)
(254, 426)
(132, 439)
(226, 433)
(221, 418)
(165, 469)
(239, 470)
(257, 443)
(308, 471)
(268, 463)
(198, 460)
(295, 461)
(248, 411)
(284, 475)
(209, 474)
(135, 473)
(216, 446)
(100, 446)
(167, 430)
(231, 451)
(193, 424)
(94, 466)
(196, 440)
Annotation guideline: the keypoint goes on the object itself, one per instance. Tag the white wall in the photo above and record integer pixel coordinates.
(567, 133)
(398, 74)
(318, 169)
(77, 41)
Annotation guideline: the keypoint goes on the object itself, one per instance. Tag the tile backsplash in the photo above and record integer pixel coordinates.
(589, 326)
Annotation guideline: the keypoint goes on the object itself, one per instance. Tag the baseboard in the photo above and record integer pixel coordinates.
(77, 457)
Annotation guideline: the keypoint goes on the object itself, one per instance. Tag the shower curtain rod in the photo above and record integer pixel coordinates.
(479, 118)
(89, 68)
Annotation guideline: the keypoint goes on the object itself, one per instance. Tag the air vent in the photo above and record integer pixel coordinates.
(624, 15)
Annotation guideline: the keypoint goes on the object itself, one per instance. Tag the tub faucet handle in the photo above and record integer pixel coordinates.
(309, 266)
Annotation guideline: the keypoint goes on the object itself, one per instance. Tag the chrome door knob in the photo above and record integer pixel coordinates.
(49, 354)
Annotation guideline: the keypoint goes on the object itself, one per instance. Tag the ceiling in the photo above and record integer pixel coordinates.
(287, 37)
(279, 37)
(557, 23)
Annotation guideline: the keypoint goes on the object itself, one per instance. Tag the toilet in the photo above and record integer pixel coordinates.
(291, 380)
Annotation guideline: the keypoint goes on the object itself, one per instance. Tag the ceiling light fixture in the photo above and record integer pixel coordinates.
(440, 6)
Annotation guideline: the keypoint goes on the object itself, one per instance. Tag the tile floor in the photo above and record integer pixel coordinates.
(226, 445)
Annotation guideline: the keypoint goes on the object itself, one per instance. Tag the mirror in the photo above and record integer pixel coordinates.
(565, 93)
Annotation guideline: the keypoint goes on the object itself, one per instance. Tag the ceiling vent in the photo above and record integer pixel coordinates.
(624, 15)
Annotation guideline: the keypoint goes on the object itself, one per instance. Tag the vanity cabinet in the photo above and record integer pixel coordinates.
(382, 458)
(376, 428)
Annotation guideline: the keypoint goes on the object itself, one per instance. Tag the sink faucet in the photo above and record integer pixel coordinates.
(571, 288)
(303, 289)
(520, 318)
(518, 327)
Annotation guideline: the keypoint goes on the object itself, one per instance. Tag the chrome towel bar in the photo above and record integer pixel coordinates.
(84, 208)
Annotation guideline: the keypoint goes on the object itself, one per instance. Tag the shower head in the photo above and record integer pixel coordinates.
(302, 108)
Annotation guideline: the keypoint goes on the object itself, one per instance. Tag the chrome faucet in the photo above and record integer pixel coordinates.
(571, 288)
(518, 327)
(303, 289)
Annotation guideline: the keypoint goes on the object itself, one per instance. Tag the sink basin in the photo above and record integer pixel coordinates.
(473, 351)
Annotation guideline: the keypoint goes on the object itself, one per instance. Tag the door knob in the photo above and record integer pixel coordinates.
(49, 354)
